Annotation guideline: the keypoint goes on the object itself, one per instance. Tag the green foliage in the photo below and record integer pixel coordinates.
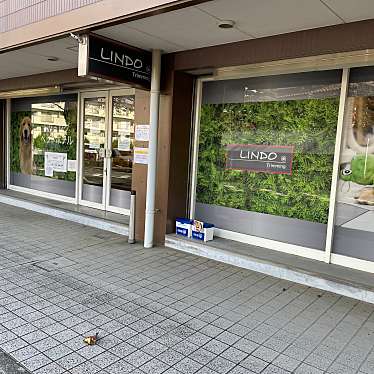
(361, 170)
(46, 143)
(309, 125)
(16, 119)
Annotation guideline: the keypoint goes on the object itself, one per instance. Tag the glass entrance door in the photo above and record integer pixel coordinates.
(94, 139)
(121, 128)
(107, 134)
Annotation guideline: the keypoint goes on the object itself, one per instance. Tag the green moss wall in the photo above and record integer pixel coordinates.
(309, 125)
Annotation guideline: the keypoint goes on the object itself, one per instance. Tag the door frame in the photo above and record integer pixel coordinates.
(107, 168)
(3, 144)
(83, 96)
(113, 93)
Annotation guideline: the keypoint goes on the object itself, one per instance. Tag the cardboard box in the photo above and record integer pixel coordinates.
(183, 227)
(202, 231)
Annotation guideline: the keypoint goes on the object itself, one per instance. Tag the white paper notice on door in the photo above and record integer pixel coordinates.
(95, 142)
(48, 171)
(72, 165)
(142, 133)
(124, 126)
(123, 142)
(141, 155)
(54, 161)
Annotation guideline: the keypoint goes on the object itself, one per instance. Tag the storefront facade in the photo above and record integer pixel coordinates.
(267, 152)
(271, 140)
(89, 164)
(281, 147)
(77, 147)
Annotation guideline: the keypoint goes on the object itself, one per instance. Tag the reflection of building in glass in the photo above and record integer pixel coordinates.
(48, 119)
(121, 115)
(94, 122)
(53, 130)
(123, 129)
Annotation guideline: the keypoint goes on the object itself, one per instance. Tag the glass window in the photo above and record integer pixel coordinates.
(122, 141)
(94, 143)
(354, 221)
(266, 150)
(43, 144)
(123, 131)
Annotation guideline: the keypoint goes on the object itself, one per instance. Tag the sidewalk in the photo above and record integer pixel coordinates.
(162, 311)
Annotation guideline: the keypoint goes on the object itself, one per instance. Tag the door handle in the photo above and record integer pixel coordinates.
(105, 153)
(102, 152)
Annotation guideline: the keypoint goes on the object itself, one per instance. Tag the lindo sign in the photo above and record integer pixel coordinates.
(108, 59)
(260, 158)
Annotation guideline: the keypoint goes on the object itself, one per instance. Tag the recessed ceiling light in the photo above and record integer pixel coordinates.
(226, 24)
(53, 58)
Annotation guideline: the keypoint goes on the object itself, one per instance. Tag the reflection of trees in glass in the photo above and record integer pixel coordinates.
(309, 125)
(66, 143)
(123, 106)
(46, 140)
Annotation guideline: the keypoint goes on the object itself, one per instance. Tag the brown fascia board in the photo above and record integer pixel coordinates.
(347, 37)
(49, 79)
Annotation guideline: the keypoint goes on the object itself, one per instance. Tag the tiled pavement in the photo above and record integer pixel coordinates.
(161, 311)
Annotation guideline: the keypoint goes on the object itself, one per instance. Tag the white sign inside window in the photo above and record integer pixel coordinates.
(54, 161)
(48, 171)
(95, 141)
(124, 142)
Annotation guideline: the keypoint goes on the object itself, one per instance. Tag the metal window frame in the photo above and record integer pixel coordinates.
(3, 145)
(108, 93)
(83, 97)
(31, 191)
(275, 68)
(114, 93)
(336, 164)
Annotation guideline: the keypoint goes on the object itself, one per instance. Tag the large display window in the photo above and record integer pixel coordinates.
(354, 212)
(265, 155)
(43, 144)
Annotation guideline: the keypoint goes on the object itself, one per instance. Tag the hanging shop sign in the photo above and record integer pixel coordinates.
(260, 158)
(111, 60)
